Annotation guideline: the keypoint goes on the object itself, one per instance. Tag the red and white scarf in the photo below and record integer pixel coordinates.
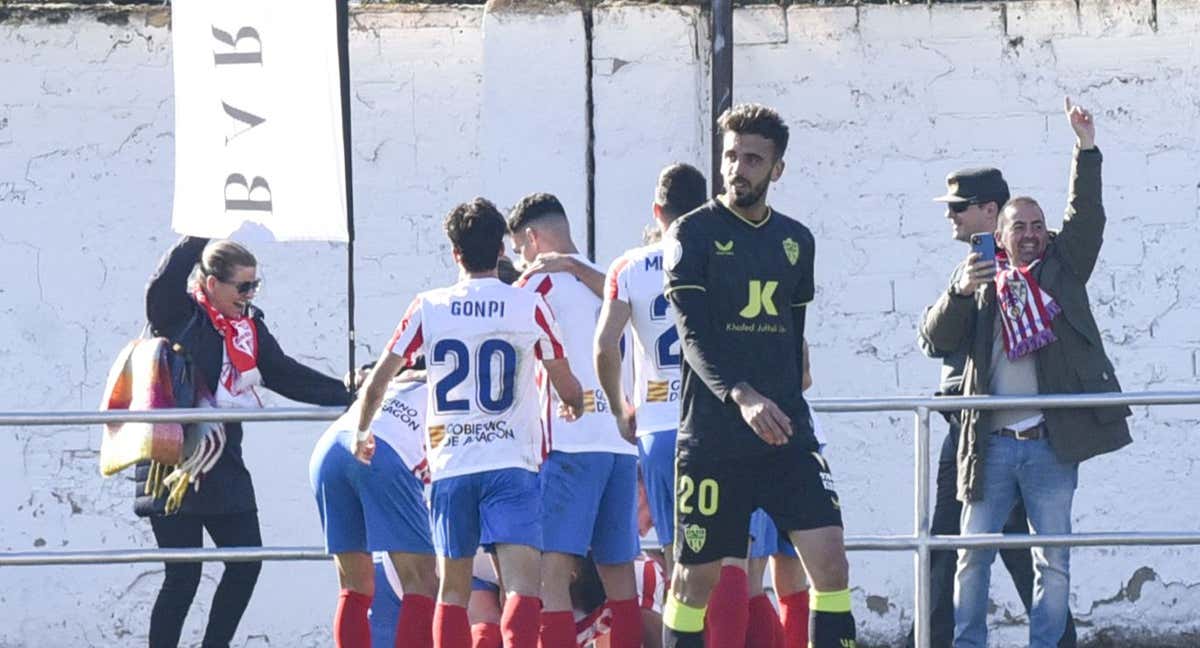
(241, 346)
(1025, 309)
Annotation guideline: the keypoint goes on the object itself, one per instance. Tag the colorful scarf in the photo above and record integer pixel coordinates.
(241, 345)
(1025, 309)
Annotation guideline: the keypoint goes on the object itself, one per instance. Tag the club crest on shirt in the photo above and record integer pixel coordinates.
(792, 250)
(695, 536)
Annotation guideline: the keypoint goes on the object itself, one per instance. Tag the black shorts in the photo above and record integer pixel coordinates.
(715, 496)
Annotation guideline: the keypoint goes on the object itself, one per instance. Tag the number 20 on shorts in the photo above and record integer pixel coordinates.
(708, 495)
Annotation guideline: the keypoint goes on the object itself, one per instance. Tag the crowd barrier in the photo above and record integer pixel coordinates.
(920, 542)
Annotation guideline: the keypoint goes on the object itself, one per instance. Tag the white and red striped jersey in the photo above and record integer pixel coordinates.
(400, 423)
(482, 341)
(636, 278)
(578, 310)
(649, 575)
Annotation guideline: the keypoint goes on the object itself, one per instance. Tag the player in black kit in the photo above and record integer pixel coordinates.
(739, 276)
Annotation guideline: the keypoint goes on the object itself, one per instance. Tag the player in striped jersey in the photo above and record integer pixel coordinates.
(593, 615)
(589, 478)
(634, 294)
(378, 507)
(481, 340)
(387, 604)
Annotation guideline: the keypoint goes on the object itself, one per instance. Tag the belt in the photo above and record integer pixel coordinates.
(1028, 434)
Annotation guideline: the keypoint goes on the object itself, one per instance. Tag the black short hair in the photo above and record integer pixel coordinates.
(506, 271)
(534, 207)
(756, 119)
(476, 230)
(681, 188)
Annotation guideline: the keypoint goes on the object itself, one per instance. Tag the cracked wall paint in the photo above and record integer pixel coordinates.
(883, 101)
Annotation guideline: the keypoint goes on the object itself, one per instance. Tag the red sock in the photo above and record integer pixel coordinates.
(793, 610)
(558, 630)
(626, 624)
(350, 626)
(728, 610)
(451, 629)
(415, 629)
(520, 622)
(763, 623)
(486, 635)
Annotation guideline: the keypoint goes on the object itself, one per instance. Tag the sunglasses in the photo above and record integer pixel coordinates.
(960, 207)
(244, 287)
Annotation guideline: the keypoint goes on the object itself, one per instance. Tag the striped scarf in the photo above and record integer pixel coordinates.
(241, 345)
(1025, 309)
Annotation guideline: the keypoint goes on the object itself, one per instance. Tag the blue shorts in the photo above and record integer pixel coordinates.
(589, 502)
(765, 539)
(380, 507)
(385, 611)
(657, 452)
(487, 508)
(480, 585)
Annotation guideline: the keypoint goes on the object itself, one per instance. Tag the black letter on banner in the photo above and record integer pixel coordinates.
(247, 203)
(250, 119)
(237, 57)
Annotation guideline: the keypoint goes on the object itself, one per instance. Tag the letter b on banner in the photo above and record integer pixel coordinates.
(257, 187)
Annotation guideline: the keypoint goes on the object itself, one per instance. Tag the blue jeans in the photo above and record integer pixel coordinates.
(1029, 469)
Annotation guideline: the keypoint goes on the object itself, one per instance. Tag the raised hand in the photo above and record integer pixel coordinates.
(1083, 125)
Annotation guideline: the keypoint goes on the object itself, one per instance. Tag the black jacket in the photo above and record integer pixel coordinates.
(172, 313)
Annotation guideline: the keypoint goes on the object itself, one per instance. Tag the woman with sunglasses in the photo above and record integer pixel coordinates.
(200, 298)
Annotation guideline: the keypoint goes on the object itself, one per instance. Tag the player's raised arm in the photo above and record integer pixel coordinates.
(551, 262)
(614, 317)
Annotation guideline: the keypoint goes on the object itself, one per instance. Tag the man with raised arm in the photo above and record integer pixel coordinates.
(1026, 326)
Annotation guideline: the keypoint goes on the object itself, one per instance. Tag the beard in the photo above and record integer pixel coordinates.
(750, 194)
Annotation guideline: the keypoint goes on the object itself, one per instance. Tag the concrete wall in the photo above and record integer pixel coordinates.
(450, 102)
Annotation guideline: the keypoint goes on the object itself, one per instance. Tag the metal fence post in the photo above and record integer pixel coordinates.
(921, 612)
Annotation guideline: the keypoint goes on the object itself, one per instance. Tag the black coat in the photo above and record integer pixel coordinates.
(172, 313)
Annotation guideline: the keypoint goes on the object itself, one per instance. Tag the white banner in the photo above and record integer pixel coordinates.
(258, 120)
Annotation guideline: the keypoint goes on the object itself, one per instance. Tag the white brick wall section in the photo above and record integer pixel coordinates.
(450, 102)
(534, 135)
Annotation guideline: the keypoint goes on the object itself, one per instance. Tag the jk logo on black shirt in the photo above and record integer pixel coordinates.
(762, 298)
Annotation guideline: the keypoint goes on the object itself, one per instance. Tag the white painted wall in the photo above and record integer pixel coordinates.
(450, 103)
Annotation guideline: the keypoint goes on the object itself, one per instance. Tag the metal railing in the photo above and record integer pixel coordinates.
(921, 542)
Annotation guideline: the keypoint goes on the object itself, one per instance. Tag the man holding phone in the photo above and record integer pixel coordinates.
(1026, 327)
(973, 199)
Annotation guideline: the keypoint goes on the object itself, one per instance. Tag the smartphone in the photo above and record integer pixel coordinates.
(984, 244)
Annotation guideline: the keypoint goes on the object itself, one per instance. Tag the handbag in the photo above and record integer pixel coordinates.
(156, 373)
(140, 379)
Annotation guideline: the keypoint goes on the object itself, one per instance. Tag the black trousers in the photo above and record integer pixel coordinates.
(182, 579)
(947, 518)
